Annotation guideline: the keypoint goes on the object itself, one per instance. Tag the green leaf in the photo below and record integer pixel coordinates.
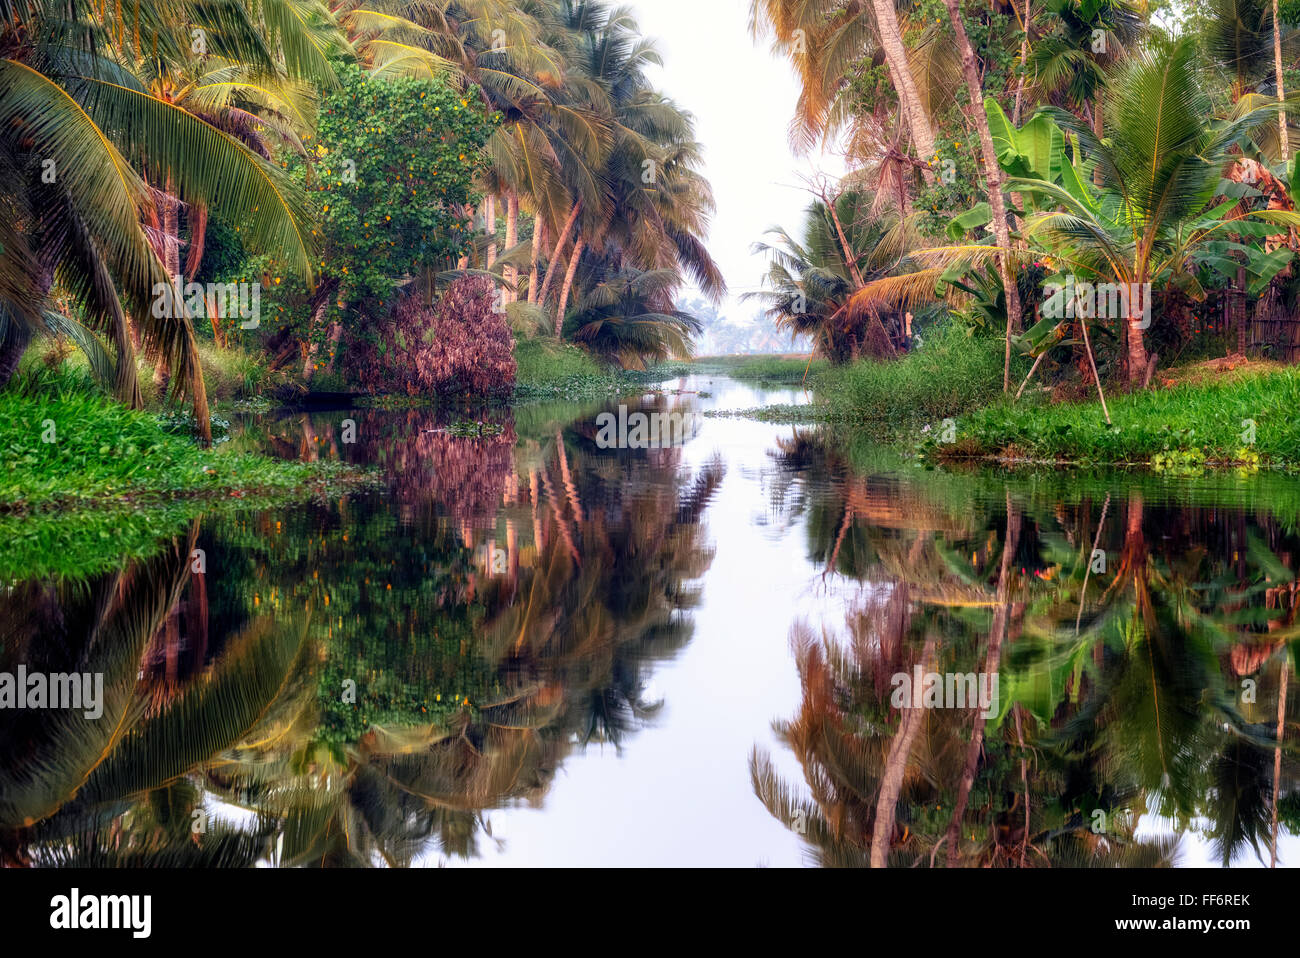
(978, 215)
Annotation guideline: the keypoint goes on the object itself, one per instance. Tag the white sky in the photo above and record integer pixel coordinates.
(743, 98)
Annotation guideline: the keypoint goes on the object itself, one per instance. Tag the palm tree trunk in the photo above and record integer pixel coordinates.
(559, 248)
(490, 221)
(1281, 731)
(198, 388)
(171, 230)
(336, 335)
(12, 346)
(891, 42)
(993, 179)
(572, 271)
(992, 663)
(1277, 73)
(538, 229)
(891, 783)
(319, 307)
(512, 240)
(1024, 58)
(198, 218)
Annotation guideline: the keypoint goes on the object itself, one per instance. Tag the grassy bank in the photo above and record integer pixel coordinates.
(553, 371)
(85, 483)
(66, 445)
(1243, 420)
(782, 370)
(951, 374)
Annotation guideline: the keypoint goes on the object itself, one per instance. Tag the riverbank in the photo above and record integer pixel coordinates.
(85, 481)
(561, 371)
(952, 374)
(945, 402)
(1239, 417)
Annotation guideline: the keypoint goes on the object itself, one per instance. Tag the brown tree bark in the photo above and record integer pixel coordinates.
(993, 178)
(512, 240)
(539, 230)
(992, 663)
(320, 306)
(891, 783)
(1277, 73)
(918, 118)
(559, 249)
(572, 271)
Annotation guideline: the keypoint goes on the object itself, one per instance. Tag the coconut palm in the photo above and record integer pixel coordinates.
(629, 317)
(87, 134)
(824, 40)
(845, 245)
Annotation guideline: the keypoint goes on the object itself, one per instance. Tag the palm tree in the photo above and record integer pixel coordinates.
(823, 40)
(629, 317)
(993, 177)
(845, 245)
(74, 112)
(1070, 63)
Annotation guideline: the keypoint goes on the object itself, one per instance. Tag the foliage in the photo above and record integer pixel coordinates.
(1191, 424)
(952, 372)
(459, 346)
(71, 448)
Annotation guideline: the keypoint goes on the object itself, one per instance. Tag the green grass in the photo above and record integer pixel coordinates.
(1178, 430)
(233, 373)
(552, 371)
(768, 369)
(952, 373)
(65, 445)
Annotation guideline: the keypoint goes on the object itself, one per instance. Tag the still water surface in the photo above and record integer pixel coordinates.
(531, 650)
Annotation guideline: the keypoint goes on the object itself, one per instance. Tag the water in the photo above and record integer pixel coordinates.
(531, 650)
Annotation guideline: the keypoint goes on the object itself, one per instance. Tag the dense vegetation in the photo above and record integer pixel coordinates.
(1106, 188)
(300, 182)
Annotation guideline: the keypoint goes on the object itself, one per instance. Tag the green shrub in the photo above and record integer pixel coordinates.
(951, 373)
(1243, 421)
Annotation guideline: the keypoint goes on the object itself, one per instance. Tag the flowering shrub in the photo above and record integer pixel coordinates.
(458, 347)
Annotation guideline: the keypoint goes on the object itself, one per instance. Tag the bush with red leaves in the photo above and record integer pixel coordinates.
(457, 348)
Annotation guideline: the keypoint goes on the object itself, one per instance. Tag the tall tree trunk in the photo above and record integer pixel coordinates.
(470, 215)
(891, 783)
(1243, 311)
(539, 230)
(993, 179)
(559, 248)
(12, 346)
(336, 336)
(1281, 732)
(1024, 59)
(572, 271)
(512, 240)
(1277, 74)
(320, 306)
(992, 663)
(918, 118)
(490, 222)
(171, 257)
(198, 219)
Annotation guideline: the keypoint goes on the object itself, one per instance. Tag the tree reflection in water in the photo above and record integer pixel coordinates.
(1150, 686)
(497, 609)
